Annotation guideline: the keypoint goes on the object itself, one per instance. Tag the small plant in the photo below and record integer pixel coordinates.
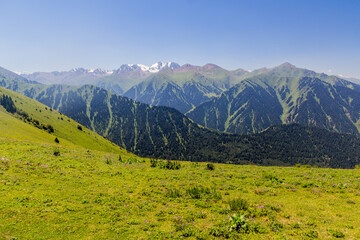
(195, 164)
(57, 140)
(132, 160)
(120, 159)
(272, 178)
(240, 223)
(261, 191)
(210, 166)
(275, 226)
(336, 233)
(295, 225)
(311, 234)
(196, 192)
(56, 152)
(154, 162)
(219, 232)
(298, 165)
(173, 193)
(238, 204)
(108, 161)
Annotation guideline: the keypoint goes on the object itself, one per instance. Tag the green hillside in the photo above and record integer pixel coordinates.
(31, 120)
(84, 194)
(283, 95)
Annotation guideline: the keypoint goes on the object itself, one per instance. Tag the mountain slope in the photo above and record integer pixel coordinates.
(284, 94)
(31, 122)
(183, 88)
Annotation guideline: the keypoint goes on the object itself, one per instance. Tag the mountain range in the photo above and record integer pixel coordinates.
(117, 80)
(282, 95)
(259, 96)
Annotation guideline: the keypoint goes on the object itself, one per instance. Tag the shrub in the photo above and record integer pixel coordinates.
(79, 127)
(57, 140)
(108, 161)
(48, 128)
(120, 159)
(171, 165)
(57, 152)
(238, 204)
(210, 166)
(153, 162)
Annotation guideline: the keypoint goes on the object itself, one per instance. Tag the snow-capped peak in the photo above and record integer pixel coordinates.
(82, 70)
(156, 67)
(93, 71)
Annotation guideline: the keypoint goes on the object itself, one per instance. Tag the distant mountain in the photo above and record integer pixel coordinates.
(354, 80)
(184, 88)
(117, 81)
(164, 132)
(12, 77)
(284, 94)
(76, 76)
(129, 75)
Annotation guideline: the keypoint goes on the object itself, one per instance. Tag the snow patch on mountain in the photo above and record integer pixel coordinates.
(156, 67)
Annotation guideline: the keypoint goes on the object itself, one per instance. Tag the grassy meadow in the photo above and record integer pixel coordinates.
(50, 191)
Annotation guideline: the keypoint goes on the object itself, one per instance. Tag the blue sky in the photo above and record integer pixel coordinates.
(59, 35)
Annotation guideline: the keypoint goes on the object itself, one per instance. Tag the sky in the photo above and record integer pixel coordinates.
(49, 35)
